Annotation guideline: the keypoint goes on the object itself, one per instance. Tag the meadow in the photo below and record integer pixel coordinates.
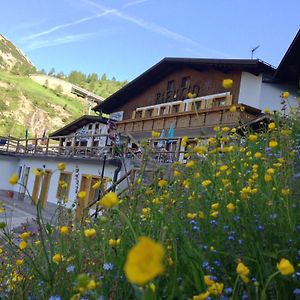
(224, 225)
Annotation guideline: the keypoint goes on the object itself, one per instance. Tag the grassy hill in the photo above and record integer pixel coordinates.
(26, 104)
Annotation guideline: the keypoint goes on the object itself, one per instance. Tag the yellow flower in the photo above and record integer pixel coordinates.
(223, 168)
(202, 296)
(162, 183)
(155, 134)
(214, 214)
(23, 245)
(13, 179)
(207, 280)
(114, 243)
(81, 195)
(285, 267)
(242, 108)
(57, 258)
(227, 83)
(215, 206)
(268, 177)
(191, 215)
(25, 235)
(273, 144)
(37, 172)
(96, 185)
(232, 109)
(285, 94)
(272, 126)
(253, 137)
(201, 215)
(90, 233)
(61, 166)
(267, 110)
(206, 183)
(109, 200)
(257, 155)
(176, 173)
(270, 171)
(2, 210)
(230, 207)
(241, 269)
(216, 289)
(144, 261)
(285, 192)
(190, 164)
(19, 262)
(64, 230)
(91, 284)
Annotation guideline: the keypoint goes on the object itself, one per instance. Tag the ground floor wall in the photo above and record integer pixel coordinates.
(78, 174)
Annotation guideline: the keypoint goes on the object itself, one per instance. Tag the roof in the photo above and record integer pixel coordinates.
(78, 123)
(289, 67)
(169, 65)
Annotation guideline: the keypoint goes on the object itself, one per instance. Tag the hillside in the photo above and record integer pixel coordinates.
(26, 104)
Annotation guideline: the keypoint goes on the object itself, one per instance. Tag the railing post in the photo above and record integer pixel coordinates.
(177, 151)
(47, 146)
(7, 146)
(35, 144)
(17, 148)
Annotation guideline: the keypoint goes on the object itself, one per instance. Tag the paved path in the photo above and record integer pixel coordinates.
(18, 212)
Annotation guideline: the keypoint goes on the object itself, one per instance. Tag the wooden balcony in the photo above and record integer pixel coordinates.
(189, 123)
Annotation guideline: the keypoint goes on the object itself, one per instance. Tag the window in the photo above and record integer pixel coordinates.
(163, 110)
(170, 85)
(219, 102)
(197, 105)
(90, 126)
(97, 126)
(149, 113)
(185, 82)
(175, 108)
(138, 114)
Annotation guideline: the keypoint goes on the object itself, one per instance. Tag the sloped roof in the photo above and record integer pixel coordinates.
(168, 65)
(78, 123)
(289, 67)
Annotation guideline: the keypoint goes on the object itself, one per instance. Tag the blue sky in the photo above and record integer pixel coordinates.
(125, 37)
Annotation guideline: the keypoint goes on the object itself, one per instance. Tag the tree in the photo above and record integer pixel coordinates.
(114, 79)
(61, 75)
(51, 72)
(92, 77)
(104, 77)
(42, 71)
(77, 77)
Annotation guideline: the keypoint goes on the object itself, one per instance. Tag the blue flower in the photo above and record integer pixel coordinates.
(108, 266)
(195, 228)
(230, 238)
(193, 222)
(240, 242)
(260, 228)
(213, 223)
(296, 291)
(70, 268)
(228, 291)
(273, 216)
(56, 297)
(236, 218)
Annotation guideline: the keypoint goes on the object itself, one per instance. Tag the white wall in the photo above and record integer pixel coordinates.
(250, 89)
(270, 96)
(85, 167)
(8, 166)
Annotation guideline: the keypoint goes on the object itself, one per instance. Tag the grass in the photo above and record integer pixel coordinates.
(39, 96)
(218, 215)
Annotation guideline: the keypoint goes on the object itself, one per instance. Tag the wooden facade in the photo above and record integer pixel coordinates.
(177, 86)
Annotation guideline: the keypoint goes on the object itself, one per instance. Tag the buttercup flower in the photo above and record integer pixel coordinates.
(285, 94)
(57, 258)
(273, 144)
(25, 235)
(13, 179)
(90, 233)
(227, 83)
(216, 289)
(64, 230)
(114, 243)
(144, 261)
(202, 296)
(109, 200)
(155, 134)
(206, 183)
(285, 267)
(232, 109)
(81, 195)
(61, 166)
(23, 245)
(96, 185)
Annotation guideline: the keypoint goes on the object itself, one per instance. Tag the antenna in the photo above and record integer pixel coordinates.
(253, 50)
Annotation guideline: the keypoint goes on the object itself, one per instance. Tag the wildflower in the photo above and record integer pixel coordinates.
(230, 207)
(252, 137)
(214, 214)
(56, 297)
(81, 195)
(199, 149)
(191, 215)
(37, 172)
(227, 83)
(206, 183)
(216, 289)
(90, 233)
(232, 109)
(273, 144)
(184, 141)
(19, 262)
(57, 258)
(25, 235)
(109, 200)
(162, 183)
(285, 94)
(270, 171)
(268, 177)
(70, 268)
(91, 284)
(64, 230)
(223, 168)
(215, 206)
(285, 192)
(61, 166)
(225, 129)
(114, 243)
(144, 261)
(96, 185)
(272, 126)
(23, 245)
(190, 164)
(13, 179)
(108, 266)
(84, 283)
(155, 134)
(242, 108)
(202, 296)
(208, 280)
(257, 155)
(267, 110)
(285, 267)
(191, 95)
(243, 272)
(176, 173)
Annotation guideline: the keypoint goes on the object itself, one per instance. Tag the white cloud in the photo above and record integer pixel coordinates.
(136, 2)
(58, 41)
